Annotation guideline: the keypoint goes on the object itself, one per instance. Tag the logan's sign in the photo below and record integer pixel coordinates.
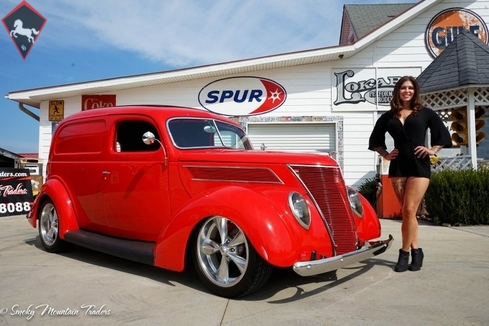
(447, 24)
(366, 89)
(372, 90)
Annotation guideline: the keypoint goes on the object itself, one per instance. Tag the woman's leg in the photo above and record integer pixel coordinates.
(398, 183)
(414, 191)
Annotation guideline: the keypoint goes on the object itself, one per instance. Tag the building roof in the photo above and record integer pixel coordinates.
(8, 154)
(33, 97)
(366, 18)
(7, 158)
(464, 62)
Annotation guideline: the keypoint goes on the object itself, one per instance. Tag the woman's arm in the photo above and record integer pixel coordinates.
(385, 154)
(422, 151)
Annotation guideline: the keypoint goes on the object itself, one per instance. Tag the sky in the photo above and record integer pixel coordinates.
(98, 39)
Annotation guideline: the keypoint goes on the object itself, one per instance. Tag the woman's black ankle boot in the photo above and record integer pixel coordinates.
(403, 261)
(417, 259)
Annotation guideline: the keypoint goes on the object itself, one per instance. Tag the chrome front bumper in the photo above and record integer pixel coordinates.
(320, 266)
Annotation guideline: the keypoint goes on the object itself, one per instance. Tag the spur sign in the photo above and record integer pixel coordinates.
(447, 24)
(242, 96)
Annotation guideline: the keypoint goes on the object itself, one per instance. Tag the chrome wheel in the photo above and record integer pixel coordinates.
(225, 260)
(223, 251)
(49, 227)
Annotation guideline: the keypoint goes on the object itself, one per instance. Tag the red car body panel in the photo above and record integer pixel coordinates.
(60, 197)
(161, 196)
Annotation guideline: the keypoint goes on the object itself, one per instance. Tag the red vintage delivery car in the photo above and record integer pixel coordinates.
(157, 184)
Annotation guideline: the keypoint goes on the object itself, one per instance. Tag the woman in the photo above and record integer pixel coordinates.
(407, 122)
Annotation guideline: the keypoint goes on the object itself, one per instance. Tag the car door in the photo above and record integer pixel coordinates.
(136, 186)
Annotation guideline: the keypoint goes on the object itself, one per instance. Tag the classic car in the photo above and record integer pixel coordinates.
(158, 184)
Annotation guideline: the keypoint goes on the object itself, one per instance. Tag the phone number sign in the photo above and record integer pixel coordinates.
(15, 191)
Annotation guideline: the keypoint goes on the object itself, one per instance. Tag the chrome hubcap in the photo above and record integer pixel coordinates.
(49, 224)
(222, 251)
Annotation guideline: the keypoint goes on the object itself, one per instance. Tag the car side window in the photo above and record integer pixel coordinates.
(129, 136)
(191, 133)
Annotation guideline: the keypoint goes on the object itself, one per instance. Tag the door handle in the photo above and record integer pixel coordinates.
(105, 172)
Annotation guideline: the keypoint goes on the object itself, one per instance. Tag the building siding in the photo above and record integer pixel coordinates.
(309, 89)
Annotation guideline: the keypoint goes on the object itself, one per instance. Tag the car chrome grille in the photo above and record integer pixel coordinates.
(327, 188)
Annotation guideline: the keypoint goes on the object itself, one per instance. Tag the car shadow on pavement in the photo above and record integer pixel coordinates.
(187, 278)
(286, 279)
(281, 281)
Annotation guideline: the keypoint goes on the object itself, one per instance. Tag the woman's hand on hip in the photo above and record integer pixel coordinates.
(422, 152)
(392, 155)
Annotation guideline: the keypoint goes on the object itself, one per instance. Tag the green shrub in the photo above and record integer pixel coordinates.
(369, 190)
(459, 197)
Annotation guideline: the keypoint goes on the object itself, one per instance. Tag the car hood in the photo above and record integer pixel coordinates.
(255, 156)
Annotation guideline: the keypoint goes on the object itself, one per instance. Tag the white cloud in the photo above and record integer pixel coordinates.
(193, 32)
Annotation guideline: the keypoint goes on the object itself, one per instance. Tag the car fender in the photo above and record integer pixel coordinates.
(368, 226)
(275, 239)
(54, 190)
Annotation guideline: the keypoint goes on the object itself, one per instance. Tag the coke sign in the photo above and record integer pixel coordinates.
(97, 101)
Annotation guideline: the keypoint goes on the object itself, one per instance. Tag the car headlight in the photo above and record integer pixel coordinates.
(300, 210)
(355, 201)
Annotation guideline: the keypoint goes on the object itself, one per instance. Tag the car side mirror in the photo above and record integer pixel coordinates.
(149, 139)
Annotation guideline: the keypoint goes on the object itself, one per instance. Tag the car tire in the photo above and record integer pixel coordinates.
(49, 228)
(226, 261)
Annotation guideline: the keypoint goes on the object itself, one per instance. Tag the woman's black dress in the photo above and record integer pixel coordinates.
(407, 137)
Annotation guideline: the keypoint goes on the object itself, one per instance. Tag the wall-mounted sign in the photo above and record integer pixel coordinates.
(242, 96)
(97, 101)
(15, 191)
(447, 24)
(24, 24)
(366, 89)
(56, 110)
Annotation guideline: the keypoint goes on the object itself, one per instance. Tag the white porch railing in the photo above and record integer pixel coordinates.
(459, 162)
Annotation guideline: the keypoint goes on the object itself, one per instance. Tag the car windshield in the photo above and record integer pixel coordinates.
(198, 133)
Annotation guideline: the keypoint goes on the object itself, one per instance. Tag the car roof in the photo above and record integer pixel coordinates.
(160, 111)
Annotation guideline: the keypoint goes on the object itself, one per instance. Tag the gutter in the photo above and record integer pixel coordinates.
(28, 112)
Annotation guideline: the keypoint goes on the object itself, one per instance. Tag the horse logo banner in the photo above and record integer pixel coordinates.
(24, 24)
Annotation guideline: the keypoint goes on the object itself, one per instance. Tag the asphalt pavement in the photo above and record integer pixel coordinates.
(83, 287)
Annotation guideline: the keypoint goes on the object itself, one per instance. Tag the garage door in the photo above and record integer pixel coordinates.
(296, 137)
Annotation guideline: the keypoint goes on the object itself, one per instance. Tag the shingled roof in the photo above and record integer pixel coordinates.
(366, 18)
(464, 62)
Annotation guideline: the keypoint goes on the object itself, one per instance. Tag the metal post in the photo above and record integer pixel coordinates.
(471, 122)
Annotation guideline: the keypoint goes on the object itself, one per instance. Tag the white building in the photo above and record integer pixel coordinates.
(321, 100)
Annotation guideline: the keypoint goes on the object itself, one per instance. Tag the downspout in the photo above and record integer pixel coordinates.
(28, 112)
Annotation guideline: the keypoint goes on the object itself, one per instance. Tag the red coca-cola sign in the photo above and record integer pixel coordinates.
(97, 101)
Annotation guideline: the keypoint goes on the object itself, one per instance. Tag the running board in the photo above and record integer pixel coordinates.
(139, 251)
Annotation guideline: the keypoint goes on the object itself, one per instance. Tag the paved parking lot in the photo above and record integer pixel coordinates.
(83, 287)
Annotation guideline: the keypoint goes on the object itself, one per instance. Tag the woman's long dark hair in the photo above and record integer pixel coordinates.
(396, 103)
